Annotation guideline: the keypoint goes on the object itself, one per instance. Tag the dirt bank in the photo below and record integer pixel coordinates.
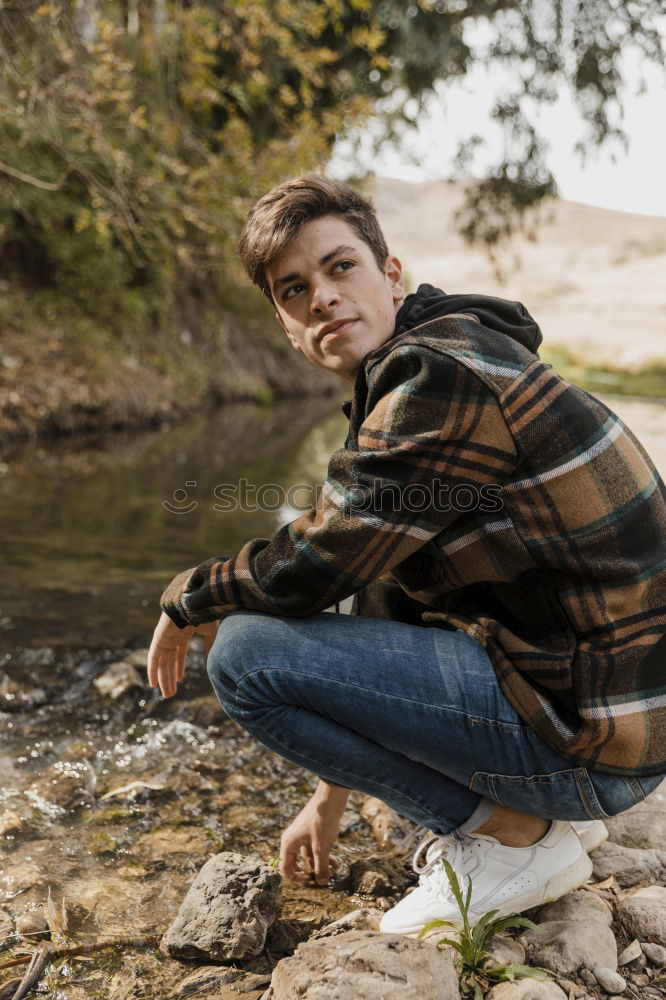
(63, 374)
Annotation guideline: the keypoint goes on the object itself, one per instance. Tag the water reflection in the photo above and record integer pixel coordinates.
(92, 529)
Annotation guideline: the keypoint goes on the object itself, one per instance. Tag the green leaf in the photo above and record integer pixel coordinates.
(432, 924)
(463, 905)
(484, 928)
(454, 944)
(507, 973)
(512, 920)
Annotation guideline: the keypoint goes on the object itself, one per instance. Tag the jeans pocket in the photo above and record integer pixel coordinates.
(567, 794)
(616, 792)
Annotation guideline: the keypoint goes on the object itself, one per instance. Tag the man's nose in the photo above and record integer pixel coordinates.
(324, 295)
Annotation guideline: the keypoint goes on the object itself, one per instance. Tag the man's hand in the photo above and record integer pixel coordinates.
(168, 649)
(312, 834)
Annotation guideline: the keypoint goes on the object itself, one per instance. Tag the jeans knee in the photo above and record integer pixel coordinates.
(244, 644)
(230, 654)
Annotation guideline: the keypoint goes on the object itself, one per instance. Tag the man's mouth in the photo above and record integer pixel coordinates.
(338, 331)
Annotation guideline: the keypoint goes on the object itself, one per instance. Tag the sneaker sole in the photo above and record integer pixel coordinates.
(558, 885)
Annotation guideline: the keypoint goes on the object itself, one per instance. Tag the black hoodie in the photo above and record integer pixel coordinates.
(509, 318)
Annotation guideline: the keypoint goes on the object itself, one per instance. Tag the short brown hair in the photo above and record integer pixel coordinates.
(274, 221)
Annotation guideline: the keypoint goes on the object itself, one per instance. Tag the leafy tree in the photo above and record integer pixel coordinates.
(134, 136)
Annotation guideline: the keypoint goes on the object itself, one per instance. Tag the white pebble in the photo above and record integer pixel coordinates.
(655, 954)
(610, 981)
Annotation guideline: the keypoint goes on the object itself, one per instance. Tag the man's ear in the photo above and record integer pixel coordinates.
(393, 271)
(294, 343)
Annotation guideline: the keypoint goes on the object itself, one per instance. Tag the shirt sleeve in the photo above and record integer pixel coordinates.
(431, 425)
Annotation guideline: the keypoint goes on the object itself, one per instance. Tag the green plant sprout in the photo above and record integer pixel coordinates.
(474, 976)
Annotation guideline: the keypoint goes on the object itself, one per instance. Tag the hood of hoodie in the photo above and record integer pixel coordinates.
(508, 318)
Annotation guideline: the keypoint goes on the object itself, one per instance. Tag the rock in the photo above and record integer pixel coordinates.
(284, 936)
(578, 905)
(137, 658)
(123, 984)
(11, 822)
(364, 965)
(630, 865)
(211, 980)
(118, 679)
(28, 869)
(609, 980)
(527, 989)
(644, 825)
(103, 895)
(9, 988)
(630, 953)
(162, 843)
(388, 827)
(64, 786)
(376, 877)
(40, 656)
(643, 914)
(570, 988)
(6, 930)
(227, 911)
(655, 954)
(565, 946)
(588, 977)
(349, 819)
(17, 697)
(211, 977)
(32, 924)
(504, 950)
(204, 711)
(364, 919)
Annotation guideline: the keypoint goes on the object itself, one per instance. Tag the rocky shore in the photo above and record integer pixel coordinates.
(153, 825)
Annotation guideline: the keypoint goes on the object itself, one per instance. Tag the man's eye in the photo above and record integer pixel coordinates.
(349, 263)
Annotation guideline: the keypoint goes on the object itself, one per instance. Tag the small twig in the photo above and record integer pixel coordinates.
(35, 181)
(86, 949)
(38, 962)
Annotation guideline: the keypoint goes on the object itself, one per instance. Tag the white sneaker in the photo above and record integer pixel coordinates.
(591, 833)
(507, 879)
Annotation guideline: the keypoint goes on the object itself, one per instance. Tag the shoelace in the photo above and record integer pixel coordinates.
(432, 874)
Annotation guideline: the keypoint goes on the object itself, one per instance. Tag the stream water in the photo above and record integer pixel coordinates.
(113, 805)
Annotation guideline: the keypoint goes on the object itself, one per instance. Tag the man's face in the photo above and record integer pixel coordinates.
(329, 274)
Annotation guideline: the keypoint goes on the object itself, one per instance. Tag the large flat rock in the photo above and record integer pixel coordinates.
(365, 965)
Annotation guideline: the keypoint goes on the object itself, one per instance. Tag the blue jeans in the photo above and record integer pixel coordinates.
(409, 714)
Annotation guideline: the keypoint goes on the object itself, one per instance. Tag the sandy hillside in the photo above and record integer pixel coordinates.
(595, 279)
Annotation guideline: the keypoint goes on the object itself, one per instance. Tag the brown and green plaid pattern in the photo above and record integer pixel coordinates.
(558, 568)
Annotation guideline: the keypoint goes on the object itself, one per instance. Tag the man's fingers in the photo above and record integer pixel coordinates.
(166, 673)
(287, 869)
(321, 856)
(181, 654)
(152, 666)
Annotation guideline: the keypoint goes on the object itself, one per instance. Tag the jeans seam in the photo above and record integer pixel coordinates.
(395, 697)
(593, 809)
(633, 783)
(519, 779)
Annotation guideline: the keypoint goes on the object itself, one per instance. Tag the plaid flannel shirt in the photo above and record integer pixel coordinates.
(478, 489)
